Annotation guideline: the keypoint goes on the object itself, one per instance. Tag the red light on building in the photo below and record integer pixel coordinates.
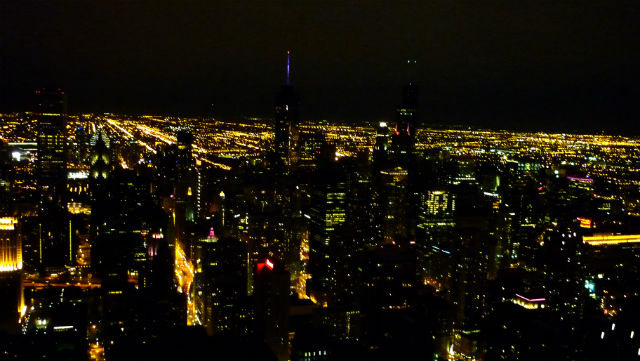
(267, 263)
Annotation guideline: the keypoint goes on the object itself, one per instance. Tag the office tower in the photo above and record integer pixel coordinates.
(178, 185)
(100, 159)
(394, 195)
(271, 296)
(437, 237)
(220, 285)
(522, 224)
(286, 217)
(51, 174)
(185, 184)
(286, 123)
(471, 254)
(11, 302)
(100, 156)
(327, 215)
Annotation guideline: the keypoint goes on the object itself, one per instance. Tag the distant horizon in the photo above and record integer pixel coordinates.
(634, 132)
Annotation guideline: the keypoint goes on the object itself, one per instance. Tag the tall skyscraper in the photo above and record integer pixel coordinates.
(396, 178)
(220, 285)
(381, 148)
(185, 183)
(272, 306)
(286, 123)
(327, 214)
(403, 138)
(51, 171)
(395, 194)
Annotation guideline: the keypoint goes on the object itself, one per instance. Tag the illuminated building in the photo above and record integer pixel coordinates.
(10, 247)
(610, 239)
(437, 209)
(528, 303)
(436, 224)
(437, 203)
(309, 147)
(11, 303)
(51, 173)
(100, 156)
(286, 123)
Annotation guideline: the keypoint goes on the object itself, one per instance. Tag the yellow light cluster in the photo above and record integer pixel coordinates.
(610, 239)
(527, 305)
(585, 222)
(7, 223)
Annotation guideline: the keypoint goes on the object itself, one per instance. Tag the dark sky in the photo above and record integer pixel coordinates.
(513, 64)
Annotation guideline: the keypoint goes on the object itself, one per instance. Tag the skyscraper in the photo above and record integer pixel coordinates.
(403, 138)
(220, 285)
(396, 178)
(51, 169)
(286, 123)
(327, 214)
(272, 306)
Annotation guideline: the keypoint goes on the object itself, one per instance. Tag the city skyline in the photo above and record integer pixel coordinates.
(306, 181)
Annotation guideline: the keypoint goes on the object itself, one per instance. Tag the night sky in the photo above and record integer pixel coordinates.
(563, 65)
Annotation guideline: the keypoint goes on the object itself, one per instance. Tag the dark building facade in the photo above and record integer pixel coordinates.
(51, 174)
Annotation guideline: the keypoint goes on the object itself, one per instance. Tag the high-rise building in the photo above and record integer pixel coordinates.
(286, 123)
(403, 137)
(272, 306)
(220, 285)
(327, 214)
(51, 174)
(394, 204)
(381, 148)
(100, 155)
(396, 174)
(11, 302)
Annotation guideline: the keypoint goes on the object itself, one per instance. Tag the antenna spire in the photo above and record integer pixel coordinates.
(288, 80)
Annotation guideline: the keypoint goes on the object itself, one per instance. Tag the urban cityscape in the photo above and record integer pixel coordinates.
(155, 236)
